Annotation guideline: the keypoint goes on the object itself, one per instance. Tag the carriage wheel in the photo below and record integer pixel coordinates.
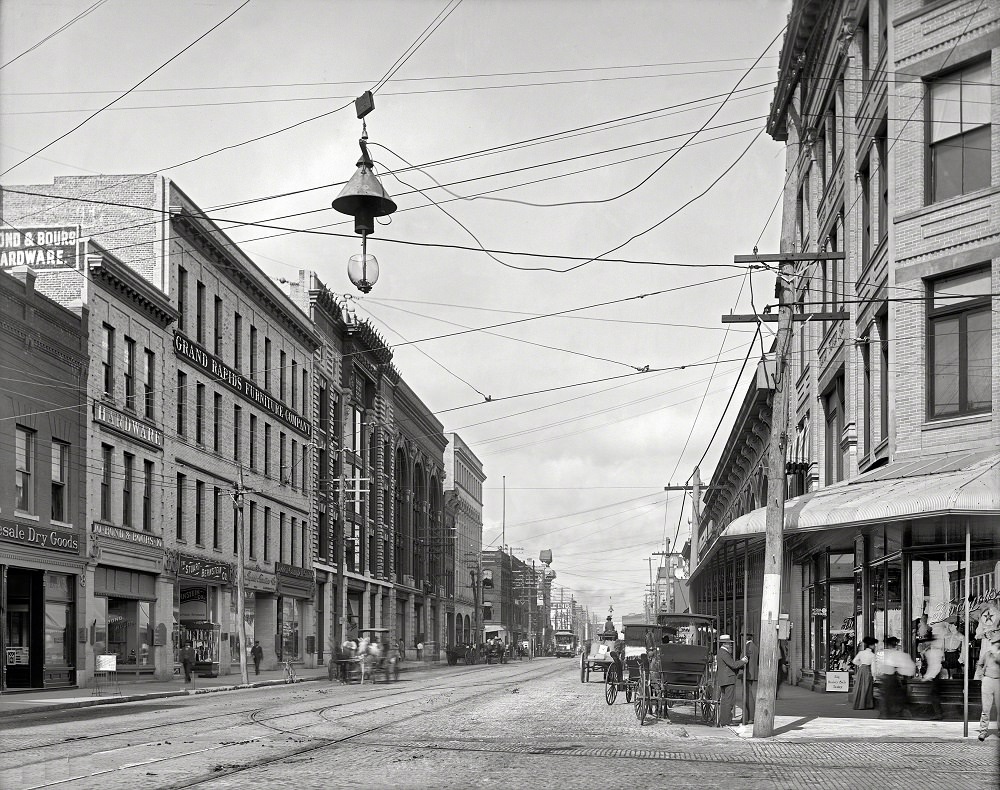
(641, 701)
(611, 687)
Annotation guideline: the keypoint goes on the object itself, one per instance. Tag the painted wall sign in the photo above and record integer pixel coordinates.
(257, 579)
(42, 537)
(127, 535)
(41, 248)
(293, 571)
(198, 568)
(187, 349)
(129, 426)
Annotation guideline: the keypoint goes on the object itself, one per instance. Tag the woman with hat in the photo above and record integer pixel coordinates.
(864, 687)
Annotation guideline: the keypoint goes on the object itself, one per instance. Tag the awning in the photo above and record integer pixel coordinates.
(966, 483)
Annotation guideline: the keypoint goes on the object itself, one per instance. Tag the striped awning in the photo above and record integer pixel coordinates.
(965, 483)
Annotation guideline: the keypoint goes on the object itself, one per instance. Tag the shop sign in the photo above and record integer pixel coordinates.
(107, 662)
(819, 612)
(838, 681)
(16, 656)
(51, 539)
(198, 568)
(293, 571)
(129, 426)
(192, 352)
(40, 248)
(258, 579)
(127, 535)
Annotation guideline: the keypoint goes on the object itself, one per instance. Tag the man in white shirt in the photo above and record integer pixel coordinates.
(988, 670)
(893, 663)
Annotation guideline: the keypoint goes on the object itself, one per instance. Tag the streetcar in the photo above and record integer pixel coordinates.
(565, 644)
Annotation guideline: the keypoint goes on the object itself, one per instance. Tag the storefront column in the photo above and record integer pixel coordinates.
(162, 617)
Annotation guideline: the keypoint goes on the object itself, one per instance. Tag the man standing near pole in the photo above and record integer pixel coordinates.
(750, 680)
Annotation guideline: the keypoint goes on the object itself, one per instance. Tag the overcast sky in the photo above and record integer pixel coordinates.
(585, 99)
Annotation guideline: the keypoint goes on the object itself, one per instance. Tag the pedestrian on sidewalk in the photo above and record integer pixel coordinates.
(750, 680)
(257, 654)
(933, 669)
(863, 696)
(187, 661)
(988, 671)
(782, 665)
(893, 667)
(726, 670)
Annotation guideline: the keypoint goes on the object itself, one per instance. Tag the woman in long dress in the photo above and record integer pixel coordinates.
(863, 697)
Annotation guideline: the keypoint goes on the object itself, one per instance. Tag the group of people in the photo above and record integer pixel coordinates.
(891, 666)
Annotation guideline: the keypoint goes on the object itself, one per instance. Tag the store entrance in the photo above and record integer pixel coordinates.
(23, 629)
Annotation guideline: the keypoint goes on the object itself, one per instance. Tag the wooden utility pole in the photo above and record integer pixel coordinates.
(241, 600)
(763, 726)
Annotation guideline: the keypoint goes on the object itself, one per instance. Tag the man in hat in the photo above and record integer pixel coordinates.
(609, 627)
(988, 671)
(726, 670)
(893, 665)
(750, 654)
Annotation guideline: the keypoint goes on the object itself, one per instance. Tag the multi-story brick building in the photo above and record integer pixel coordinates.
(889, 114)
(234, 408)
(43, 515)
(464, 478)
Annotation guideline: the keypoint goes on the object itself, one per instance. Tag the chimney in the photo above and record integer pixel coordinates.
(26, 275)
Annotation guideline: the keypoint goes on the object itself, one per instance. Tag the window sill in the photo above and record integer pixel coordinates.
(956, 422)
(930, 208)
(26, 515)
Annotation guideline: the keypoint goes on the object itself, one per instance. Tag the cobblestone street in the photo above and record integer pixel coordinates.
(490, 726)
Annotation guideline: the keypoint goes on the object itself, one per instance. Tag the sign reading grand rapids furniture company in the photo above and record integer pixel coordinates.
(186, 348)
(40, 248)
(41, 537)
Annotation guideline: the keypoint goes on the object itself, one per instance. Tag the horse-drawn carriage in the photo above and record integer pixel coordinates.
(365, 658)
(496, 652)
(671, 663)
(597, 656)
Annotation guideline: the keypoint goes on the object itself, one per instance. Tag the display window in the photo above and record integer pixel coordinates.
(196, 620)
(124, 628)
(291, 617)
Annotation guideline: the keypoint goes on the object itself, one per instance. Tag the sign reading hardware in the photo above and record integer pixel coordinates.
(194, 353)
(40, 248)
(127, 425)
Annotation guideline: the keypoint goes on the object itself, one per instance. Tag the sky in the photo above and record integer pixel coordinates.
(548, 132)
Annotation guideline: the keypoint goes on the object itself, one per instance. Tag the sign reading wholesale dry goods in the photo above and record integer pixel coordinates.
(40, 248)
(43, 538)
(187, 349)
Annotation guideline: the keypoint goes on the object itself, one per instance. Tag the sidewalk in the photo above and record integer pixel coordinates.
(803, 715)
(13, 703)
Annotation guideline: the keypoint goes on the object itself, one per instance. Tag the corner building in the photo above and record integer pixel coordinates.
(889, 114)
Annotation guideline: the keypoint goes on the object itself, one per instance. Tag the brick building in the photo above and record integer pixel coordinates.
(889, 115)
(464, 478)
(43, 515)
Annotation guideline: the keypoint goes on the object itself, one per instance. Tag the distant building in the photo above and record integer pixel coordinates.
(463, 485)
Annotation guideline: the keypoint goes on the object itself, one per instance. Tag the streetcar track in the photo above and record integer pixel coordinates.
(319, 744)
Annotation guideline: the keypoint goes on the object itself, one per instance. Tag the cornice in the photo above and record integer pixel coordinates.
(120, 279)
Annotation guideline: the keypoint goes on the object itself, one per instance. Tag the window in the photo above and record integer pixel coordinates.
(60, 480)
(282, 471)
(267, 364)
(181, 485)
(305, 466)
(881, 148)
(199, 307)
(182, 286)
(324, 406)
(281, 375)
(148, 387)
(199, 510)
(267, 534)
(238, 341)
(253, 353)
(883, 26)
(267, 449)
(106, 461)
(147, 496)
(253, 441)
(960, 132)
(293, 472)
(128, 465)
(864, 177)
(866, 384)
(833, 403)
(218, 326)
(293, 542)
(281, 537)
(181, 402)
(237, 434)
(216, 523)
(199, 413)
(253, 529)
(216, 421)
(883, 348)
(295, 383)
(129, 374)
(108, 360)
(958, 344)
(305, 391)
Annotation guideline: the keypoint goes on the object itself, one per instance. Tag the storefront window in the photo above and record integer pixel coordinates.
(196, 621)
(886, 589)
(129, 631)
(59, 620)
(291, 612)
(842, 633)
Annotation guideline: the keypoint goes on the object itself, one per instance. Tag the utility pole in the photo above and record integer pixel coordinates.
(775, 515)
(241, 602)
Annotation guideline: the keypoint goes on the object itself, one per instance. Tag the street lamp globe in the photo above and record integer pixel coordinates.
(363, 271)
